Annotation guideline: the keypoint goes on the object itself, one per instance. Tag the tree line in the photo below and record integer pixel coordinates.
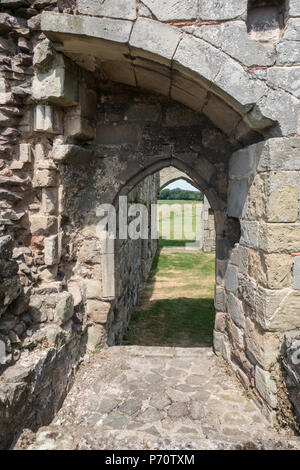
(178, 194)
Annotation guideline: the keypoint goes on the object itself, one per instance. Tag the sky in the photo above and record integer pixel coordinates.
(182, 184)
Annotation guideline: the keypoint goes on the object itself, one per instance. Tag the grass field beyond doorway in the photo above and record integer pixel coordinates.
(177, 304)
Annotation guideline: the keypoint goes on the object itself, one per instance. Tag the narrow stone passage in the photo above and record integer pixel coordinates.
(177, 305)
(134, 397)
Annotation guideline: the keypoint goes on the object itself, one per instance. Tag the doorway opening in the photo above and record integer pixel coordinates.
(176, 307)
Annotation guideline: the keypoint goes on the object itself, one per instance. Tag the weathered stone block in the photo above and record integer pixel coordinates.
(80, 121)
(239, 257)
(278, 237)
(39, 153)
(77, 127)
(57, 84)
(153, 81)
(25, 153)
(293, 8)
(235, 87)
(102, 28)
(65, 153)
(235, 41)
(249, 234)
(64, 309)
(209, 59)
(292, 30)
(236, 334)
(282, 197)
(272, 271)
(264, 22)
(6, 247)
(283, 107)
(231, 278)
(296, 272)
(44, 55)
(45, 178)
(280, 154)
(89, 252)
(2, 353)
(220, 299)
(97, 310)
(108, 276)
(266, 386)
(9, 22)
(288, 53)
(222, 346)
(277, 310)
(47, 119)
(40, 225)
(188, 92)
(49, 200)
(222, 10)
(123, 9)
(243, 163)
(5, 96)
(237, 197)
(74, 288)
(170, 10)
(256, 199)
(220, 322)
(93, 289)
(247, 291)
(222, 115)
(287, 78)
(235, 310)
(96, 338)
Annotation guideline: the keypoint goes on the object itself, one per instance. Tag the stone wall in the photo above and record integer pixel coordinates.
(72, 139)
(208, 241)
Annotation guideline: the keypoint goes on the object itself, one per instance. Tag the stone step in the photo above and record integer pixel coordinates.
(95, 438)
